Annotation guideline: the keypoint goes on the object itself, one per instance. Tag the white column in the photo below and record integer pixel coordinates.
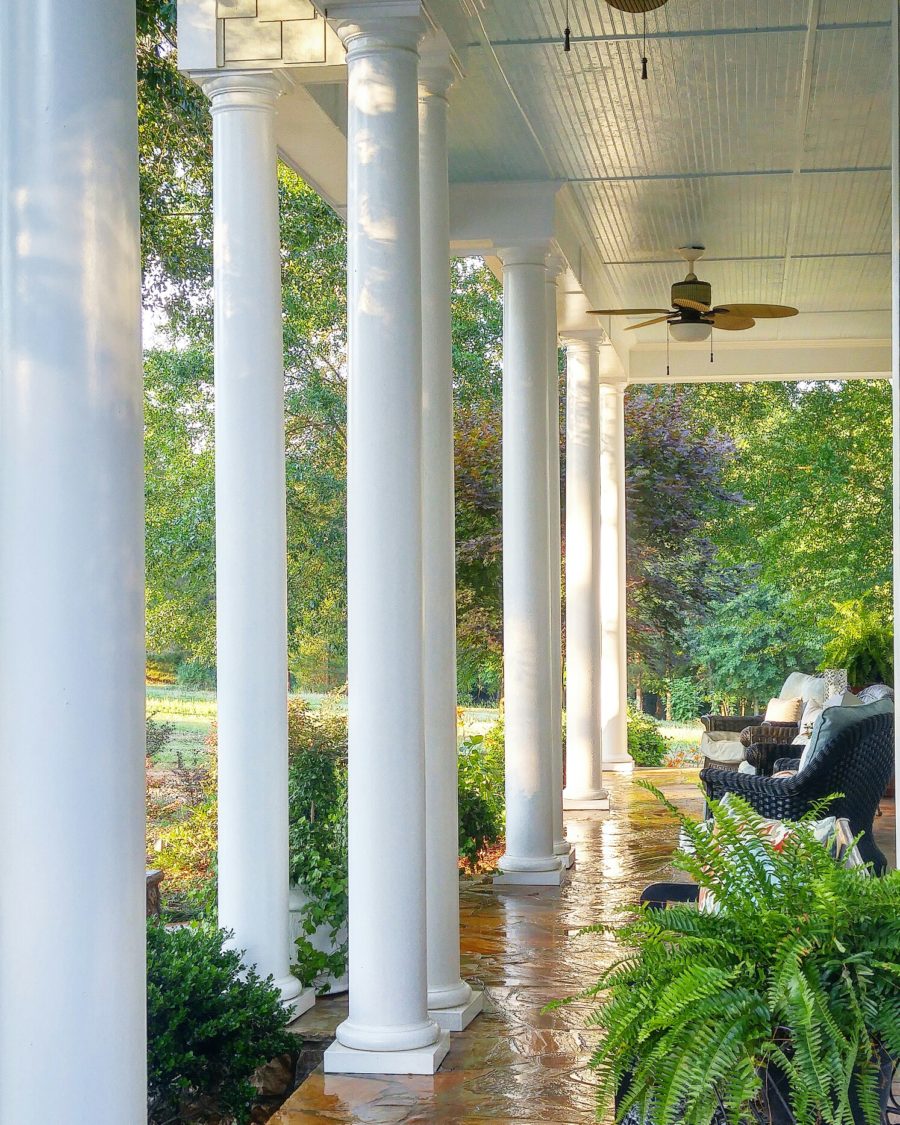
(251, 567)
(529, 857)
(561, 846)
(451, 1002)
(388, 1029)
(72, 929)
(584, 758)
(895, 346)
(613, 629)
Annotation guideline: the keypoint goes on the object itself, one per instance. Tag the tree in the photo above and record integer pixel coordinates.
(675, 471)
(813, 464)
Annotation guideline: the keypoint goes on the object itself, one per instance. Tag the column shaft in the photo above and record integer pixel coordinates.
(613, 625)
(526, 572)
(445, 987)
(72, 928)
(584, 759)
(251, 568)
(560, 846)
(895, 344)
(388, 991)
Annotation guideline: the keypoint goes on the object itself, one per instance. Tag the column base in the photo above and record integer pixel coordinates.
(530, 878)
(626, 765)
(339, 1059)
(460, 1016)
(566, 853)
(295, 999)
(595, 801)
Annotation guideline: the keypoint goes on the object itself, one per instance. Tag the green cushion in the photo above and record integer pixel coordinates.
(834, 720)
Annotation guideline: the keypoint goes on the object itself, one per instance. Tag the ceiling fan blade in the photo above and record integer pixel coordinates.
(624, 312)
(645, 323)
(687, 303)
(636, 6)
(728, 322)
(761, 311)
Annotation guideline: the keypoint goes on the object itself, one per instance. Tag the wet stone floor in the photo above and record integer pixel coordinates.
(524, 947)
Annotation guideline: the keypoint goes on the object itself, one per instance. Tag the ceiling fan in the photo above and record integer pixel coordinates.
(692, 316)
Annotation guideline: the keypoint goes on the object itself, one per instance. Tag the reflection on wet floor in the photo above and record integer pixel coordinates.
(517, 1063)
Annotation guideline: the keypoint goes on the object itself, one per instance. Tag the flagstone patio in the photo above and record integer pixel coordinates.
(518, 1063)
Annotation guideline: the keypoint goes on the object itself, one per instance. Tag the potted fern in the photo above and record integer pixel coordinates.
(782, 1004)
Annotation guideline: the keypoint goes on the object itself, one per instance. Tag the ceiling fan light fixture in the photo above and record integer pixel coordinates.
(690, 331)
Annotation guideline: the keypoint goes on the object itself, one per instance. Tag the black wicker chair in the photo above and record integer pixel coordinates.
(857, 763)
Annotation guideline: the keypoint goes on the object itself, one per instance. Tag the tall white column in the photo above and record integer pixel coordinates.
(451, 1002)
(529, 857)
(72, 928)
(388, 1029)
(251, 566)
(584, 758)
(613, 627)
(561, 846)
(895, 345)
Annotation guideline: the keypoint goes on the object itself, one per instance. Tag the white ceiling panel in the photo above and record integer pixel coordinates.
(762, 137)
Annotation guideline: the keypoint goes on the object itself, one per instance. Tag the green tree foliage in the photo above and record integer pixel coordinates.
(860, 639)
(748, 642)
(813, 465)
(175, 152)
(180, 502)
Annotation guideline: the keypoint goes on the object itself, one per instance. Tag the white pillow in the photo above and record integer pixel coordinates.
(811, 712)
(805, 686)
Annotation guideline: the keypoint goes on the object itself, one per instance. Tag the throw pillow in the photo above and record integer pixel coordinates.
(784, 710)
(811, 712)
(875, 691)
(806, 687)
(836, 719)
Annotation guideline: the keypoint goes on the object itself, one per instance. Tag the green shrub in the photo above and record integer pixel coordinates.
(199, 677)
(686, 699)
(317, 793)
(481, 792)
(158, 736)
(187, 854)
(210, 1023)
(646, 745)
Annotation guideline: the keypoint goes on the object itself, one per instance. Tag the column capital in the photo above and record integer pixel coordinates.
(556, 267)
(377, 26)
(525, 254)
(613, 381)
(584, 340)
(242, 89)
(438, 66)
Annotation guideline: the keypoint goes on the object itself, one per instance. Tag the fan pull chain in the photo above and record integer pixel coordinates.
(667, 351)
(567, 40)
(710, 345)
(644, 54)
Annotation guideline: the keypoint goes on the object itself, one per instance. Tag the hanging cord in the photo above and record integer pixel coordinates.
(667, 351)
(710, 344)
(567, 39)
(644, 55)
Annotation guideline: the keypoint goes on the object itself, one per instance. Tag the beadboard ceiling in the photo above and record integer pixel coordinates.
(762, 133)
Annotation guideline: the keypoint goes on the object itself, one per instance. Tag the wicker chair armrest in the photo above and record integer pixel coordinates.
(777, 798)
(763, 756)
(732, 723)
(782, 733)
(786, 764)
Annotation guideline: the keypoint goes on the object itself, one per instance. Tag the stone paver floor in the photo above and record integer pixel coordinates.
(517, 1063)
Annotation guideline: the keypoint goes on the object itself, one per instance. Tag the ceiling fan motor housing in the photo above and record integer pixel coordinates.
(691, 289)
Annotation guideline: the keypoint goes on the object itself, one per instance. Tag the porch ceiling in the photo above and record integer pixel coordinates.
(762, 133)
